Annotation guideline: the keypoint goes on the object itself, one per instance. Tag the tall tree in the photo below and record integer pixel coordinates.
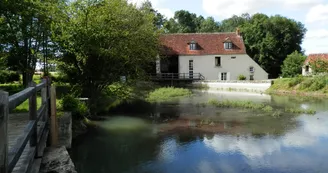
(269, 40)
(103, 40)
(159, 19)
(209, 25)
(184, 22)
(25, 31)
(230, 24)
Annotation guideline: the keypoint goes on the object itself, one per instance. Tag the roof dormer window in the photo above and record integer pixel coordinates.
(193, 45)
(228, 45)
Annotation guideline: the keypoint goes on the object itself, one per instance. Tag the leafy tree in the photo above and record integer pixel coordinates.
(230, 24)
(319, 65)
(209, 25)
(103, 40)
(25, 33)
(159, 19)
(269, 40)
(292, 65)
(184, 22)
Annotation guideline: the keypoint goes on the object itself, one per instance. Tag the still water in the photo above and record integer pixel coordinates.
(182, 136)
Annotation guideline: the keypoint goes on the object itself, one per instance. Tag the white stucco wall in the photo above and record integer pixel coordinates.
(205, 64)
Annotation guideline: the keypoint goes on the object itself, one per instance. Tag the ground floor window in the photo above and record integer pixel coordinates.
(251, 77)
(223, 76)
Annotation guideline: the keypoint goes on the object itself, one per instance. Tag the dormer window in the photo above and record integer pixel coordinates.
(228, 45)
(193, 45)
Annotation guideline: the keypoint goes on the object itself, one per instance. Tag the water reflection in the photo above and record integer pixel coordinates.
(180, 137)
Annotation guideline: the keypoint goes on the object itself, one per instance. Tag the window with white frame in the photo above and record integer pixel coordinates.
(223, 76)
(251, 69)
(193, 46)
(228, 45)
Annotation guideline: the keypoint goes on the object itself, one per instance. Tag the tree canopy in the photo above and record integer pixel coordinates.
(103, 40)
(25, 33)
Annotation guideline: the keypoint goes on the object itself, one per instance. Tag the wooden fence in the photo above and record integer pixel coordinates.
(35, 131)
(177, 76)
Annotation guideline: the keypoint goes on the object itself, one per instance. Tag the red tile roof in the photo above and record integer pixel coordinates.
(207, 43)
(313, 57)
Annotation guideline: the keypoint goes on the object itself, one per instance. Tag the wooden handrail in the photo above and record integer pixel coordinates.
(30, 133)
(177, 76)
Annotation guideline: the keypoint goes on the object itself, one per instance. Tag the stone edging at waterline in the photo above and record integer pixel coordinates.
(251, 86)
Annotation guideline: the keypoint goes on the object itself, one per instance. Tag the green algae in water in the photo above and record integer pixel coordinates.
(122, 123)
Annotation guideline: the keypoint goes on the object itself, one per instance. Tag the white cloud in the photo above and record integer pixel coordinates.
(166, 12)
(156, 5)
(301, 3)
(307, 134)
(314, 34)
(227, 8)
(317, 13)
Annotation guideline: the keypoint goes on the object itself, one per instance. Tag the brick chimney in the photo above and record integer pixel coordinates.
(238, 31)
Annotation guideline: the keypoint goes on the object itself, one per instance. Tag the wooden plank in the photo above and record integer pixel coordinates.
(40, 86)
(43, 142)
(44, 101)
(17, 150)
(53, 126)
(27, 162)
(18, 98)
(33, 116)
(36, 165)
(41, 112)
(3, 132)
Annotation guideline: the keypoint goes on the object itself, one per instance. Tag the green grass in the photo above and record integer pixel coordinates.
(24, 107)
(301, 85)
(241, 104)
(257, 106)
(167, 93)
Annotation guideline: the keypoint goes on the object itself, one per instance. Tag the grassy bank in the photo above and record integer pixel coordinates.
(24, 107)
(258, 107)
(167, 93)
(303, 86)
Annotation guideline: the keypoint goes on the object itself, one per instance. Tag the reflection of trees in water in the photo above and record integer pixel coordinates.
(316, 103)
(104, 152)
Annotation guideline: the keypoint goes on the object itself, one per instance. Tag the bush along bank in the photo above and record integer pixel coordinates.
(303, 86)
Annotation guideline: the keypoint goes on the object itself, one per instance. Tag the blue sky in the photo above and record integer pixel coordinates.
(312, 13)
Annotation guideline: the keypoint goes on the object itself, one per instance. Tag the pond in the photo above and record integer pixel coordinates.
(181, 136)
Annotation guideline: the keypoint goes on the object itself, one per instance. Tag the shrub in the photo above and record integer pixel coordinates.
(11, 88)
(317, 85)
(71, 104)
(8, 76)
(306, 84)
(295, 81)
(241, 77)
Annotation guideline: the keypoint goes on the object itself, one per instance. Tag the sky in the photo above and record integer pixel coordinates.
(312, 13)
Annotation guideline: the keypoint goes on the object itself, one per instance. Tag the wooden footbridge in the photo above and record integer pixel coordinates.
(23, 137)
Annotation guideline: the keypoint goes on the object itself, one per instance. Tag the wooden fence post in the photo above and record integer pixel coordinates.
(53, 130)
(3, 132)
(44, 101)
(33, 116)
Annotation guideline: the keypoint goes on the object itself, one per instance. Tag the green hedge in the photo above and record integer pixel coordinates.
(11, 88)
(8, 76)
